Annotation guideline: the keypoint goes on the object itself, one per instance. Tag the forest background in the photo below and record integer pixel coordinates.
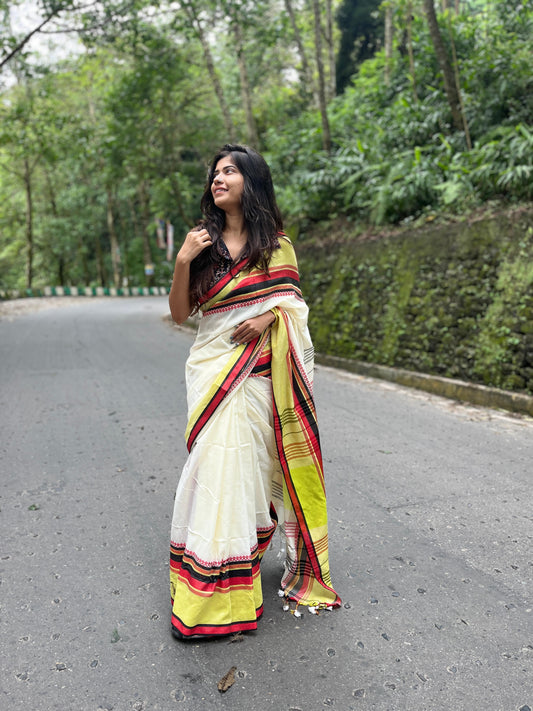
(376, 117)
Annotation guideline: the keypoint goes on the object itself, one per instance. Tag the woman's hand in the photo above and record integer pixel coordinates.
(195, 242)
(252, 328)
(179, 298)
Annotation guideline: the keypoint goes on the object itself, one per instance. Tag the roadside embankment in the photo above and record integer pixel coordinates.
(451, 301)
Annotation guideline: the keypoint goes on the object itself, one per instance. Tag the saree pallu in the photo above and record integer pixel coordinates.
(254, 458)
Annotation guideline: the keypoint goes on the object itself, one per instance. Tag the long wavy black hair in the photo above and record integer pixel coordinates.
(262, 218)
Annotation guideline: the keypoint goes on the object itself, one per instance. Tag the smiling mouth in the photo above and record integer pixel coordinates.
(220, 190)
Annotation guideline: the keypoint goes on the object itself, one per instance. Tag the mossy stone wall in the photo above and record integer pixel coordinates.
(454, 300)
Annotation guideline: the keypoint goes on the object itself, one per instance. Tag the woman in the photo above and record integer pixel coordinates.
(254, 453)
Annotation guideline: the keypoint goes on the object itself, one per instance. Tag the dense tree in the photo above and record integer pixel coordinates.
(362, 30)
(25, 122)
(96, 149)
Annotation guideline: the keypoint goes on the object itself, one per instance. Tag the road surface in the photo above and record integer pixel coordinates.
(431, 538)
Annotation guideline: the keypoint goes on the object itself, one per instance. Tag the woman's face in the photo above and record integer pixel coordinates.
(228, 185)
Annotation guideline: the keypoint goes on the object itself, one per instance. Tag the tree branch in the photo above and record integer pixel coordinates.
(28, 37)
(52, 15)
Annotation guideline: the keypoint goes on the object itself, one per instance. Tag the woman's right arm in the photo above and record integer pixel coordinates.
(179, 298)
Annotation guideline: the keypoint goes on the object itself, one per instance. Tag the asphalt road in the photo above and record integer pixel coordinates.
(431, 538)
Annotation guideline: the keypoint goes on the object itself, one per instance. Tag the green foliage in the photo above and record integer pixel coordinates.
(505, 347)
(396, 157)
(120, 135)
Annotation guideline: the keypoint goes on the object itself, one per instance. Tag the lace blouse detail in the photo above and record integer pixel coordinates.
(226, 261)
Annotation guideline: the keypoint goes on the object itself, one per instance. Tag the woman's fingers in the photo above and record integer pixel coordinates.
(241, 334)
(200, 239)
(251, 328)
(195, 242)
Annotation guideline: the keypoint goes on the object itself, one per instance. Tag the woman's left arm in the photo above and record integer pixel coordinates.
(252, 327)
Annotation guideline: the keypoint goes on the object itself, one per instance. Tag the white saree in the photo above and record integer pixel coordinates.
(234, 488)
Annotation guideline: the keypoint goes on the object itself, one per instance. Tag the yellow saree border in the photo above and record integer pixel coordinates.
(307, 579)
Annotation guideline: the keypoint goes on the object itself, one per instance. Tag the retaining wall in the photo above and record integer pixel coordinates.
(454, 301)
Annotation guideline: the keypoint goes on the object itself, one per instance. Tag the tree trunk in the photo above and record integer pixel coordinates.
(129, 228)
(84, 264)
(326, 133)
(100, 269)
(305, 74)
(208, 57)
(29, 224)
(113, 239)
(178, 197)
(458, 85)
(410, 51)
(145, 228)
(61, 270)
(246, 92)
(331, 49)
(61, 262)
(450, 87)
(388, 42)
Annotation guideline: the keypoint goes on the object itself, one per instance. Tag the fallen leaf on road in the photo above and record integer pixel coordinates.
(227, 680)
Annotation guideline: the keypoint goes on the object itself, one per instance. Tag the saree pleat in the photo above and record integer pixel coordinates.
(254, 458)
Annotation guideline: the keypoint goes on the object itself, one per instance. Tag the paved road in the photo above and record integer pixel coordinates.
(431, 526)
